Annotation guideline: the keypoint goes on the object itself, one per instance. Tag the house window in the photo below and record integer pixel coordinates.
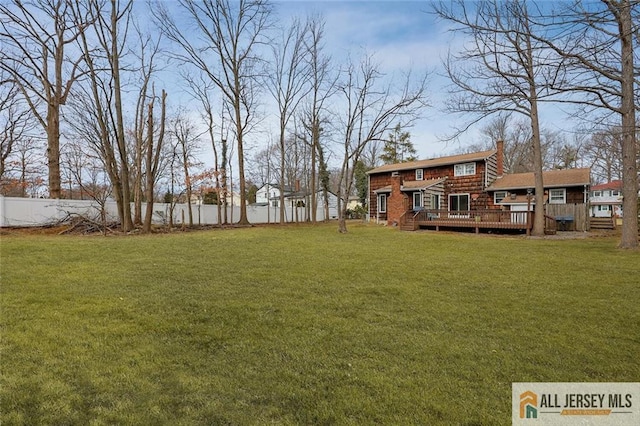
(435, 201)
(419, 174)
(615, 193)
(597, 193)
(464, 169)
(417, 200)
(382, 203)
(558, 196)
(458, 202)
(499, 196)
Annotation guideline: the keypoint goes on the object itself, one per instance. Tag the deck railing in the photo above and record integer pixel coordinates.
(483, 216)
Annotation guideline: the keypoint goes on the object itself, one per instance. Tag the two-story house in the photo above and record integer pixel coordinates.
(466, 191)
(454, 183)
(606, 199)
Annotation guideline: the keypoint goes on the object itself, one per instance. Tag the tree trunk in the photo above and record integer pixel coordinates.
(244, 220)
(629, 239)
(528, 59)
(342, 222)
(187, 179)
(127, 223)
(148, 216)
(313, 185)
(53, 148)
(282, 167)
(538, 218)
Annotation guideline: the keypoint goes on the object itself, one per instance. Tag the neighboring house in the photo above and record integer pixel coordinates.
(468, 190)
(606, 199)
(269, 194)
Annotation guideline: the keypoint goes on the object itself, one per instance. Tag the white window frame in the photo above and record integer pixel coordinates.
(419, 174)
(420, 200)
(559, 198)
(597, 193)
(468, 204)
(496, 199)
(380, 203)
(464, 169)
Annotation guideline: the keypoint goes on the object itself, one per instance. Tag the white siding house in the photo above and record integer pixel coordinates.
(606, 199)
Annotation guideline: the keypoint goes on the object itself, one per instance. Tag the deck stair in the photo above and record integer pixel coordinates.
(408, 224)
(602, 223)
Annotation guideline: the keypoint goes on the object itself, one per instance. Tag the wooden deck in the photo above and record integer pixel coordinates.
(474, 219)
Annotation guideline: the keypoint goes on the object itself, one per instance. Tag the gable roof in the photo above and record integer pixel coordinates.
(551, 178)
(614, 184)
(433, 162)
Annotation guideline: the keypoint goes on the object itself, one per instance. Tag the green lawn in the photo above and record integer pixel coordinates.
(302, 325)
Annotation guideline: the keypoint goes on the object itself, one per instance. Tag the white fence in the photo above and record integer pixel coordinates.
(40, 211)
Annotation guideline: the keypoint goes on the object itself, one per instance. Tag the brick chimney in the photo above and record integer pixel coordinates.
(500, 156)
(395, 202)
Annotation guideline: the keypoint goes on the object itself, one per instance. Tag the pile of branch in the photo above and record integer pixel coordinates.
(79, 224)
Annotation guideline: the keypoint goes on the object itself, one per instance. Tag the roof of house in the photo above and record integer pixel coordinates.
(276, 186)
(433, 162)
(551, 179)
(383, 189)
(614, 184)
(420, 184)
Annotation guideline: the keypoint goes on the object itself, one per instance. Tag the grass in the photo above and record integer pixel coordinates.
(302, 325)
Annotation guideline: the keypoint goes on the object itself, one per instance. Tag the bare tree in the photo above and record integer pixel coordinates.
(146, 54)
(287, 82)
(314, 117)
(201, 89)
(86, 176)
(597, 72)
(99, 107)
(16, 120)
(153, 149)
(232, 31)
(516, 135)
(604, 154)
(23, 171)
(501, 70)
(186, 141)
(35, 36)
(371, 110)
